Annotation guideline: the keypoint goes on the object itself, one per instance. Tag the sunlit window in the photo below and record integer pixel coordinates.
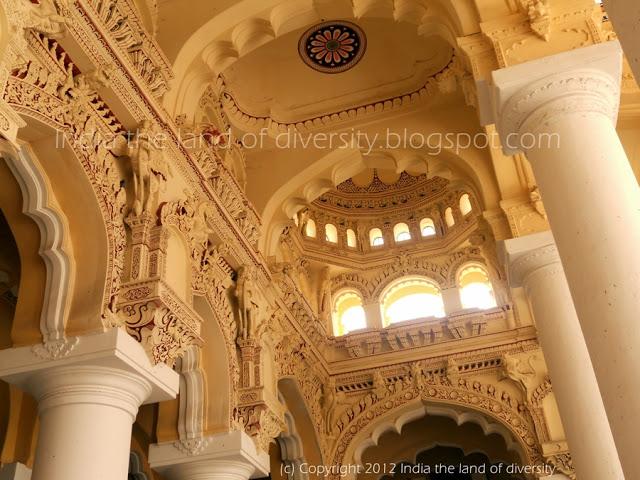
(465, 204)
(375, 237)
(448, 217)
(475, 288)
(348, 314)
(310, 229)
(427, 227)
(410, 299)
(401, 232)
(351, 239)
(331, 233)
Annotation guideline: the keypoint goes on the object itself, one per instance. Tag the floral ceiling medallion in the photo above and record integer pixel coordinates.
(332, 47)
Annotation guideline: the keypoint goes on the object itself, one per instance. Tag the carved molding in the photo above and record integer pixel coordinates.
(586, 91)
(53, 251)
(248, 122)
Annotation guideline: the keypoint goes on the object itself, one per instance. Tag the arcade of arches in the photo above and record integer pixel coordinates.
(319, 239)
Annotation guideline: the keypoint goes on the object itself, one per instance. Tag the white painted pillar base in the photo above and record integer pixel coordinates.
(592, 200)
(534, 263)
(226, 456)
(88, 398)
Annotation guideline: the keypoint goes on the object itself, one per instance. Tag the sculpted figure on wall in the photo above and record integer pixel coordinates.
(44, 17)
(247, 302)
(303, 218)
(332, 402)
(150, 170)
(523, 375)
(324, 301)
(379, 385)
(79, 92)
(536, 201)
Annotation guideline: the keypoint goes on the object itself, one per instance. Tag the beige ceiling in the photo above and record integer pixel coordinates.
(273, 81)
(178, 19)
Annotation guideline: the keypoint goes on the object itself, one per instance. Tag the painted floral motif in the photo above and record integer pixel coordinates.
(332, 47)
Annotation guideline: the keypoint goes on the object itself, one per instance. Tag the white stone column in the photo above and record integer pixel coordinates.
(226, 456)
(533, 262)
(88, 397)
(561, 111)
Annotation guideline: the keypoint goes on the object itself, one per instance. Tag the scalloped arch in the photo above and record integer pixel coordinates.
(396, 422)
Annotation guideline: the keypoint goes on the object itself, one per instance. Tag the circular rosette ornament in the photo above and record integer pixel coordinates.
(332, 47)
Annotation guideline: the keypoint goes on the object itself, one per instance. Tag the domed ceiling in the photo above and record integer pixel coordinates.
(377, 191)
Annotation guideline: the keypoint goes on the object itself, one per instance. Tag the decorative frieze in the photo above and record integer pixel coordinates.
(118, 20)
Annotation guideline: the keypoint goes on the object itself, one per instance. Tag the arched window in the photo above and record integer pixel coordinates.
(310, 228)
(351, 239)
(475, 288)
(411, 298)
(348, 313)
(448, 217)
(401, 232)
(427, 227)
(465, 204)
(375, 237)
(331, 233)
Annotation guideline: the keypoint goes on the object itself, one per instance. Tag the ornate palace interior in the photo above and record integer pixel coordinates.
(319, 239)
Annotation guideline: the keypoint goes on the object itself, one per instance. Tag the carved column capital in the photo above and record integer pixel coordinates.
(525, 97)
(533, 254)
(224, 456)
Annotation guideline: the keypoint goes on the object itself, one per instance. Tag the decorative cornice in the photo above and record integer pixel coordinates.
(407, 193)
(245, 120)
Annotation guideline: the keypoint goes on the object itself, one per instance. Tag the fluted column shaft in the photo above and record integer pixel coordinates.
(535, 264)
(561, 111)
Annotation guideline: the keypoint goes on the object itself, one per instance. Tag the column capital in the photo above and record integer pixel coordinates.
(523, 256)
(110, 364)
(225, 456)
(524, 97)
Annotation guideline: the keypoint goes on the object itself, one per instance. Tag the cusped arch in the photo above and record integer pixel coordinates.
(308, 440)
(218, 360)
(392, 413)
(462, 259)
(93, 205)
(45, 253)
(351, 281)
(415, 272)
(395, 421)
